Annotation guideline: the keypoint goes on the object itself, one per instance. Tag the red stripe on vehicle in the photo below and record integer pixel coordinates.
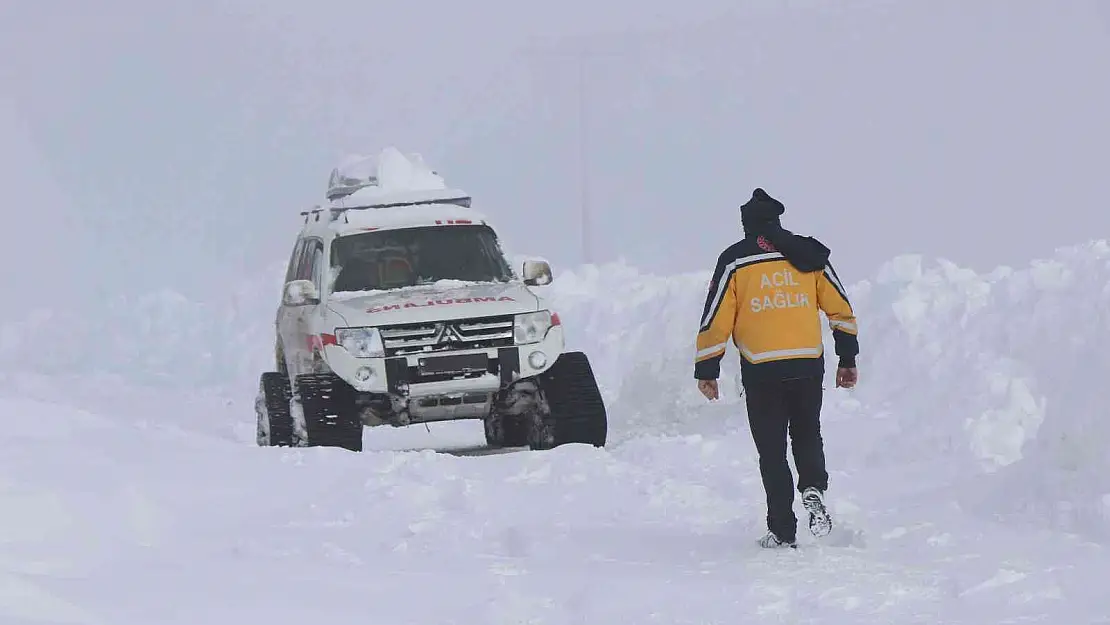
(316, 343)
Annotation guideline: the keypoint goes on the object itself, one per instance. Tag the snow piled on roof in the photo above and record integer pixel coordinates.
(392, 169)
(389, 175)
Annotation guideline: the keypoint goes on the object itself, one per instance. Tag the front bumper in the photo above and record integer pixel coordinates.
(407, 376)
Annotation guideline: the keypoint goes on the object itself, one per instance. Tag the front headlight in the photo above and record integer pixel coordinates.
(531, 327)
(361, 342)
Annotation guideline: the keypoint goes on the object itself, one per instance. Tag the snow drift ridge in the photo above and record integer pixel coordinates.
(999, 374)
(1003, 372)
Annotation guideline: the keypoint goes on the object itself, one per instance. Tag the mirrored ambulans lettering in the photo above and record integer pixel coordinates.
(779, 299)
(440, 302)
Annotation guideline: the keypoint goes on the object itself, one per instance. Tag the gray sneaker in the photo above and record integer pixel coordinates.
(820, 523)
(770, 541)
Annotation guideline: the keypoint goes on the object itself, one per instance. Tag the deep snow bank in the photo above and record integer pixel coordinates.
(159, 339)
(999, 372)
(996, 361)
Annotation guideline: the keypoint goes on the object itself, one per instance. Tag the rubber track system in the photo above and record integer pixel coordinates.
(329, 414)
(515, 431)
(507, 430)
(276, 393)
(576, 411)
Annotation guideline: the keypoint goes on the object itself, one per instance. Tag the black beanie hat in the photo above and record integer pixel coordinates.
(761, 209)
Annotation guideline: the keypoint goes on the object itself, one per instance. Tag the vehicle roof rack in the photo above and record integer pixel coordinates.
(454, 199)
(314, 211)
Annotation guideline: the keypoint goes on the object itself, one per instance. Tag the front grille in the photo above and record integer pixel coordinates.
(456, 334)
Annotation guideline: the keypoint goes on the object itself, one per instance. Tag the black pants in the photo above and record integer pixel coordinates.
(776, 408)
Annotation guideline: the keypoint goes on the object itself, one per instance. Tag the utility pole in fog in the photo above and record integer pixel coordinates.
(578, 55)
(583, 161)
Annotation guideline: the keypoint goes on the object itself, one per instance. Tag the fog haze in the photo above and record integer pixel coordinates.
(172, 144)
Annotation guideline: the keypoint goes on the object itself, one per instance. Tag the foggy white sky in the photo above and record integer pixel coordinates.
(144, 142)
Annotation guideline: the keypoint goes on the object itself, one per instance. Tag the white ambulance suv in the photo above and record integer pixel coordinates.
(400, 308)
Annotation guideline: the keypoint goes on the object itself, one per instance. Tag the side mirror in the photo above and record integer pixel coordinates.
(300, 293)
(537, 273)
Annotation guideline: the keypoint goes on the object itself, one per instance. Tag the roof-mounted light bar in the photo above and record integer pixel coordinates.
(340, 185)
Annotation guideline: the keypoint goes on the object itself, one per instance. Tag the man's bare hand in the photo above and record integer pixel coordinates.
(709, 389)
(846, 377)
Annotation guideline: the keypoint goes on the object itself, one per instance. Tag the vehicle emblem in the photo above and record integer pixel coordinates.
(446, 333)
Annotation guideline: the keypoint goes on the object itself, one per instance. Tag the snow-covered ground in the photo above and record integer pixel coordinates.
(968, 472)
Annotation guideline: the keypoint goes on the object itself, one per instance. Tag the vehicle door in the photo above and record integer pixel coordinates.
(285, 320)
(313, 312)
(298, 350)
(312, 268)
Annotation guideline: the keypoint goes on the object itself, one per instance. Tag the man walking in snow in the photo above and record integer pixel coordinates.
(765, 295)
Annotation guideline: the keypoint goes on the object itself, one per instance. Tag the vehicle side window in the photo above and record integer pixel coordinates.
(304, 265)
(319, 266)
(294, 261)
